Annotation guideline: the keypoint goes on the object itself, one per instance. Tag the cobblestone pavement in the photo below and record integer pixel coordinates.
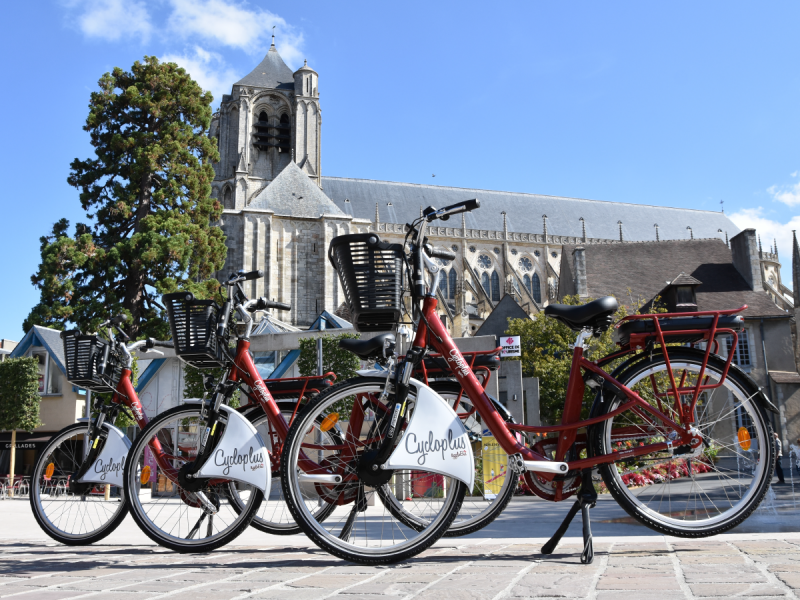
(760, 566)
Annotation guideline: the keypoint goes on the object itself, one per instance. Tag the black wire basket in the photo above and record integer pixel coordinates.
(84, 356)
(371, 273)
(194, 329)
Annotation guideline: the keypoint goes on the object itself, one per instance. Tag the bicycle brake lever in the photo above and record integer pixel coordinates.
(153, 351)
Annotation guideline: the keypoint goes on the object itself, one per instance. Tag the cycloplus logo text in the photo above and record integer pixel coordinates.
(460, 363)
(111, 466)
(261, 391)
(432, 444)
(253, 459)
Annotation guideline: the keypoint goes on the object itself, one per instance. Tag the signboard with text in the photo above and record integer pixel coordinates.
(510, 345)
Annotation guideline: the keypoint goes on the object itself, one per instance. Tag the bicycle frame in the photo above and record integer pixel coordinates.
(431, 332)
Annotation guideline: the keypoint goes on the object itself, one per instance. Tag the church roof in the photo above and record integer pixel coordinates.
(270, 73)
(293, 194)
(400, 203)
(496, 323)
(637, 272)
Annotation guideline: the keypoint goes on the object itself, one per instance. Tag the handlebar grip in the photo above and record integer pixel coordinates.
(262, 304)
(250, 275)
(453, 209)
(154, 343)
(439, 253)
(279, 305)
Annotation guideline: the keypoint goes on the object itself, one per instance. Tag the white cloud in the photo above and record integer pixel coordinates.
(110, 20)
(788, 194)
(770, 230)
(234, 25)
(207, 68)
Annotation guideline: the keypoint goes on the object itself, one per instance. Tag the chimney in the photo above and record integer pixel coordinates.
(744, 250)
(579, 269)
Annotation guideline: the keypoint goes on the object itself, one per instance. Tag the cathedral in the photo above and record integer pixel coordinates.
(280, 214)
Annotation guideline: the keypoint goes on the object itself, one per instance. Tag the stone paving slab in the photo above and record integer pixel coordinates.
(728, 566)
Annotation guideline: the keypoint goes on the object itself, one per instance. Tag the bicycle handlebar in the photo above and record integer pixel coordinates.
(263, 304)
(153, 343)
(245, 276)
(431, 213)
(439, 253)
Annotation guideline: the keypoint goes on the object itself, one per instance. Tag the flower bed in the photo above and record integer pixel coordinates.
(674, 469)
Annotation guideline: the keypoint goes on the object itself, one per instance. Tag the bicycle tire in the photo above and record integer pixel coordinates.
(744, 391)
(241, 521)
(326, 539)
(36, 498)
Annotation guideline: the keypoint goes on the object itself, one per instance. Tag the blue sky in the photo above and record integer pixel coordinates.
(676, 104)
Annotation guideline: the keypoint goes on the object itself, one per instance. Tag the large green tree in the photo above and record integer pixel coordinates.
(146, 193)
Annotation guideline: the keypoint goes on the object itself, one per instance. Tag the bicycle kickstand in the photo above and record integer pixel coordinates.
(587, 498)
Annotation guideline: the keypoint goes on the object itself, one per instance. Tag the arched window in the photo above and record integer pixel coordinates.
(453, 283)
(485, 283)
(536, 290)
(495, 287)
(443, 283)
(526, 281)
(226, 198)
(262, 141)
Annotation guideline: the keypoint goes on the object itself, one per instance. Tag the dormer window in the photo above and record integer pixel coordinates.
(680, 294)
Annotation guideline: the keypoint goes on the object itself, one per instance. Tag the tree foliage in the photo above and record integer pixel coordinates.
(194, 385)
(19, 394)
(343, 363)
(146, 193)
(546, 354)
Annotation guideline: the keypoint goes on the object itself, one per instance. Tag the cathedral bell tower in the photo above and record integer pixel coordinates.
(270, 118)
(308, 122)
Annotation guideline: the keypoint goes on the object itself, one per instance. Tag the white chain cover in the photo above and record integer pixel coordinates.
(240, 455)
(108, 466)
(435, 440)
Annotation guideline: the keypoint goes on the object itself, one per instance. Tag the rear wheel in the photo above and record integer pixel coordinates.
(361, 528)
(693, 492)
(194, 516)
(73, 517)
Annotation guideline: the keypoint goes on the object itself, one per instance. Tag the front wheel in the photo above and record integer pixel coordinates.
(688, 492)
(335, 432)
(76, 515)
(172, 513)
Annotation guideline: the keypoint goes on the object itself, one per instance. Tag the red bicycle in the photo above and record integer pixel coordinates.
(189, 510)
(76, 494)
(678, 434)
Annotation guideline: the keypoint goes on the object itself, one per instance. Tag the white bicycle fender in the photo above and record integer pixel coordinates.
(240, 455)
(108, 466)
(435, 440)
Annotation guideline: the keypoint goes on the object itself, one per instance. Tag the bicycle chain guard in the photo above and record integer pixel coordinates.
(434, 440)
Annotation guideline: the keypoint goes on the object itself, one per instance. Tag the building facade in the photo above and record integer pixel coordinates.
(280, 214)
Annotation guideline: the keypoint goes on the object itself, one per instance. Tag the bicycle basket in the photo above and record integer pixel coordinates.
(371, 273)
(194, 328)
(84, 358)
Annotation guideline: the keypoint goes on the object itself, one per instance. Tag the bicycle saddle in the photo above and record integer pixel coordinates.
(379, 347)
(597, 315)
